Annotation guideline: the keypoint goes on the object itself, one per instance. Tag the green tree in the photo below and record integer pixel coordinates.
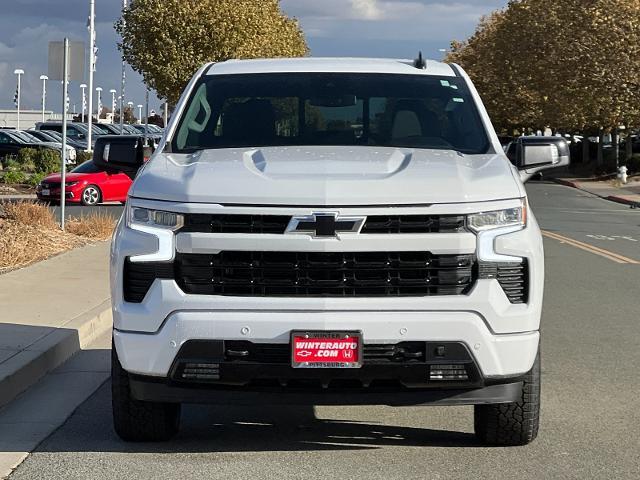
(168, 40)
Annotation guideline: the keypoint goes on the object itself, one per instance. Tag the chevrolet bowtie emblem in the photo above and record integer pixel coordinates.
(325, 224)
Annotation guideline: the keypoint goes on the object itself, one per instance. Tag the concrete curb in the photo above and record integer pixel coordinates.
(31, 364)
(611, 198)
(567, 183)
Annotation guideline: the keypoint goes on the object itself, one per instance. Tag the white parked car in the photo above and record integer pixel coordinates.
(329, 231)
(30, 138)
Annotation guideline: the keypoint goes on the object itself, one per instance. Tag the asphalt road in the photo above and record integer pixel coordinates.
(78, 211)
(590, 416)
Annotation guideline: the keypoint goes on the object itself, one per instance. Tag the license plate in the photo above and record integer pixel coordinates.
(46, 192)
(321, 349)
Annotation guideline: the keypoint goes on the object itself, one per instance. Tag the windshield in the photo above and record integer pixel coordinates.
(26, 137)
(86, 167)
(417, 111)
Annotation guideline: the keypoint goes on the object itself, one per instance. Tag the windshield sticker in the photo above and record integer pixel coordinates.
(458, 100)
(445, 83)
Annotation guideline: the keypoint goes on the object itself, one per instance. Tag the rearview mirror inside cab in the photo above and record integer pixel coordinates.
(123, 153)
(534, 154)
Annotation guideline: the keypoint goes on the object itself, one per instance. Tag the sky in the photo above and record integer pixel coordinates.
(369, 28)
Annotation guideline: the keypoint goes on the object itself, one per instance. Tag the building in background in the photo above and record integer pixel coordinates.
(28, 118)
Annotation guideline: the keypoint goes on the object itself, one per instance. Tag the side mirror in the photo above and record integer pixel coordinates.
(80, 135)
(120, 153)
(534, 154)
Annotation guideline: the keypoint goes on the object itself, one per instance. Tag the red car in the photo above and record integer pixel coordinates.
(86, 184)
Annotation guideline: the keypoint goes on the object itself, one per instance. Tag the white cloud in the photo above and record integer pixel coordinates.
(366, 9)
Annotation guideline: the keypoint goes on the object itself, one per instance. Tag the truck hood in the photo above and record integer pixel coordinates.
(326, 176)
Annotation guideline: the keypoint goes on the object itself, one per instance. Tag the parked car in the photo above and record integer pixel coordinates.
(153, 129)
(75, 131)
(29, 138)
(11, 144)
(380, 250)
(86, 184)
(108, 128)
(51, 136)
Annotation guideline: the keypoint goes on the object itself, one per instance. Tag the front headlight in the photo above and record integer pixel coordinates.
(70, 184)
(154, 218)
(510, 217)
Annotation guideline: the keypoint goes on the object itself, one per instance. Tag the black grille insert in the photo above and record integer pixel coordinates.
(206, 223)
(277, 224)
(138, 278)
(513, 278)
(324, 274)
(414, 224)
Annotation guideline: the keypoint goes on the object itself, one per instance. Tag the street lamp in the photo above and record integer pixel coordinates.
(44, 79)
(84, 99)
(113, 104)
(130, 105)
(139, 113)
(19, 72)
(99, 90)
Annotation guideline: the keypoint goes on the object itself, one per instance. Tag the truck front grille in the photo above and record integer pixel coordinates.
(320, 274)
(277, 224)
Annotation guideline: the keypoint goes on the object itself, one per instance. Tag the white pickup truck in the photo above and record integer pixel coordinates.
(330, 232)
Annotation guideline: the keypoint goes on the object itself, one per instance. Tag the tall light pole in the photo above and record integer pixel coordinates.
(44, 79)
(130, 105)
(125, 3)
(140, 114)
(92, 66)
(113, 104)
(83, 87)
(99, 91)
(19, 72)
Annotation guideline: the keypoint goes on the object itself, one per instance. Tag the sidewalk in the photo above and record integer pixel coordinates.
(48, 312)
(628, 194)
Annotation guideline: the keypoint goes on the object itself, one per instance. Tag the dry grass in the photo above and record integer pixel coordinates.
(30, 214)
(29, 233)
(97, 226)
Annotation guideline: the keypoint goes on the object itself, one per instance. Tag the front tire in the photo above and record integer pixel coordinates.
(511, 424)
(135, 420)
(90, 196)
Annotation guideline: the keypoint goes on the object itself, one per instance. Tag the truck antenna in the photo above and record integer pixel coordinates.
(420, 62)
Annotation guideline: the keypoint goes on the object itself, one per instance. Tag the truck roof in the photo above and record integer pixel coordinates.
(329, 65)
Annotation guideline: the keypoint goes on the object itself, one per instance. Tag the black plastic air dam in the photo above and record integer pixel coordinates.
(154, 390)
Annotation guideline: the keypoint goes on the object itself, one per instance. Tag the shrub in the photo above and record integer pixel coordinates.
(47, 161)
(26, 159)
(11, 164)
(14, 176)
(7, 161)
(82, 156)
(35, 179)
(27, 155)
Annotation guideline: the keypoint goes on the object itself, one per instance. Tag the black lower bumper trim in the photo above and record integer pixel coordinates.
(145, 389)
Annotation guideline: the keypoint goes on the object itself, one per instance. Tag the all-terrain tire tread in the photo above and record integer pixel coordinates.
(511, 424)
(135, 420)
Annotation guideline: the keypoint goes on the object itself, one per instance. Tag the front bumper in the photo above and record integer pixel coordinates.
(502, 337)
(72, 194)
(497, 356)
